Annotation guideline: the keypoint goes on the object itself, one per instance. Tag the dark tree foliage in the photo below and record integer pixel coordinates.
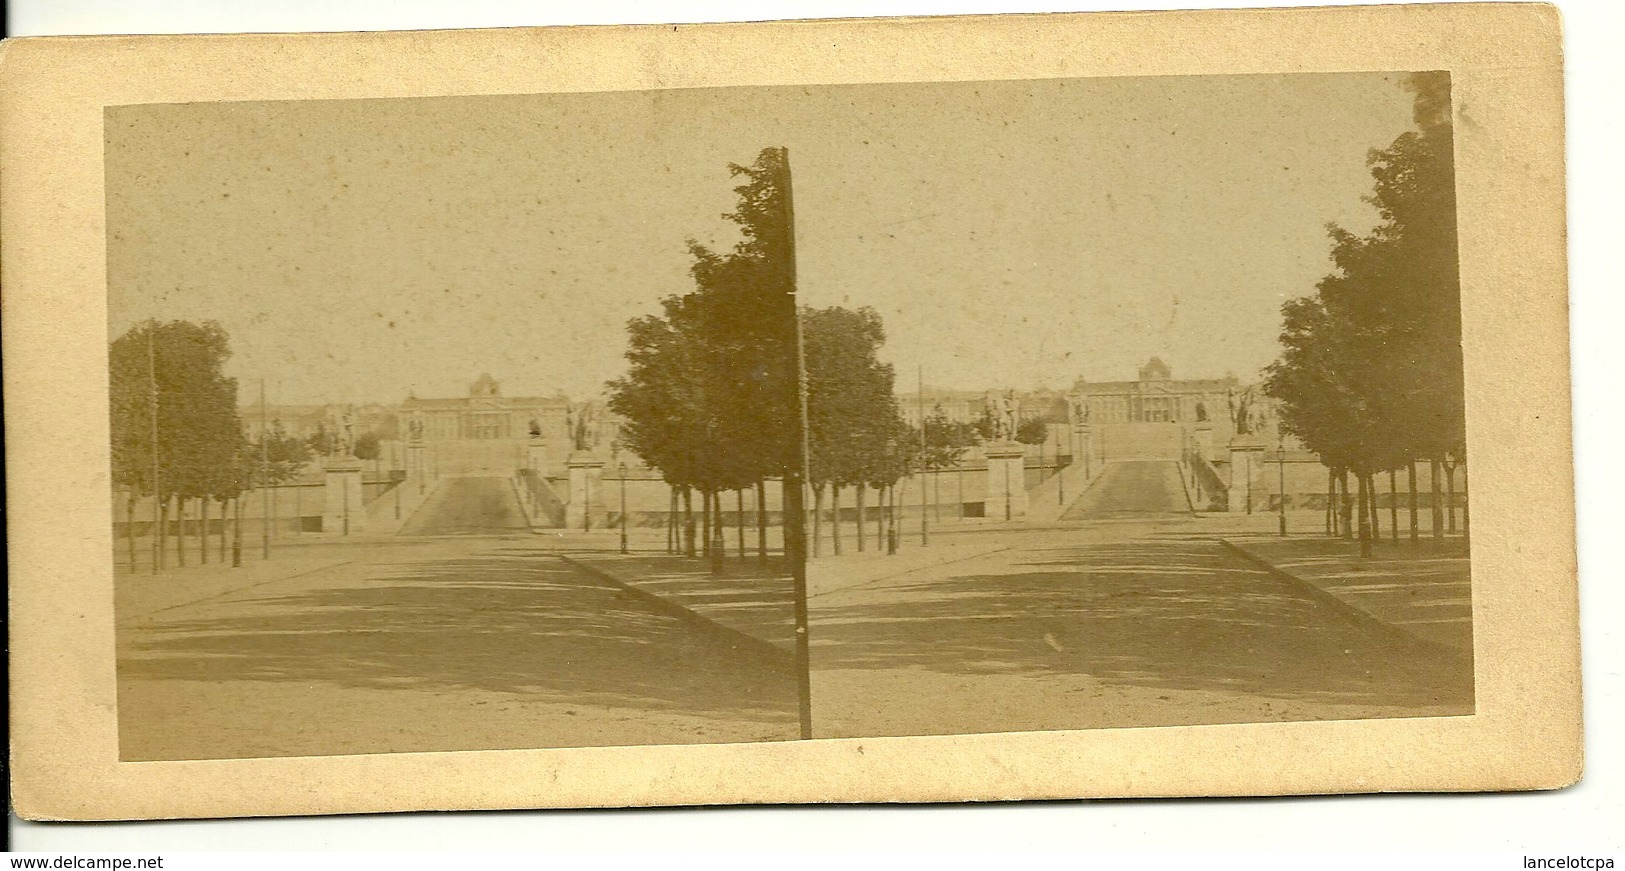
(177, 369)
(946, 441)
(1032, 431)
(856, 431)
(1370, 375)
(710, 396)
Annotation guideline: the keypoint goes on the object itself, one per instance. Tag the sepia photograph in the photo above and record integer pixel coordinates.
(940, 409)
(1138, 402)
(476, 441)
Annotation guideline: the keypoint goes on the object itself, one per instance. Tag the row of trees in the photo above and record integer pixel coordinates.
(711, 397)
(177, 436)
(1370, 376)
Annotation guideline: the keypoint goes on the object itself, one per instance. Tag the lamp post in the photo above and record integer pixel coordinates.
(622, 470)
(1060, 483)
(1280, 472)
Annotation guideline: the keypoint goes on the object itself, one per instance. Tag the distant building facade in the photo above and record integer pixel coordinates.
(485, 415)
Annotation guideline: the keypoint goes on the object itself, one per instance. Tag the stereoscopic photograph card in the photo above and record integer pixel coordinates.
(949, 409)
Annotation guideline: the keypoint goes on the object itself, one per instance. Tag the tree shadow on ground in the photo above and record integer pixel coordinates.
(1158, 614)
(510, 622)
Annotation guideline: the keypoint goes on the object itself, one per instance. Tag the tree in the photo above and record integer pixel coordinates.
(713, 380)
(1370, 374)
(855, 429)
(175, 429)
(1032, 431)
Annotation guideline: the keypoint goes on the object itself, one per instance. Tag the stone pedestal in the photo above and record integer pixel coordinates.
(536, 457)
(585, 510)
(1202, 435)
(1006, 481)
(415, 470)
(1246, 455)
(1085, 451)
(343, 509)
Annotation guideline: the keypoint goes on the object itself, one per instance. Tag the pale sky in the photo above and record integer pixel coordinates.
(1012, 234)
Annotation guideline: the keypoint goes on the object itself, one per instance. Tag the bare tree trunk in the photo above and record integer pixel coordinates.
(1438, 507)
(1393, 506)
(1450, 497)
(160, 534)
(1348, 505)
(1365, 516)
(739, 519)
(761, 520)
(860, 498)
(880, 517)
(1331, 502)
(203, 530)
(181, 532)
(1371, 492)
(129, 525)
(689, 548)
(719, 543)
(237, 530)
(1410, 477)
(818, 520)
(671, 519)
(835, 519)
(705, 522)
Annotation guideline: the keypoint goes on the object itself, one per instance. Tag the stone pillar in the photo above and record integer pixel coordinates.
(1203, 436)
(343, 510)
(415, 470)
(1006, 481)
(1245, 456)
(536, 457)
(1087, 449)
(585, 510)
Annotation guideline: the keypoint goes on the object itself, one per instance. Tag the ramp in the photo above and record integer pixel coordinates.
(1131, 487)
(469, 506)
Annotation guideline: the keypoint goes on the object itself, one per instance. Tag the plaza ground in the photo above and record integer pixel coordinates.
(464, 641)
(1125, 613)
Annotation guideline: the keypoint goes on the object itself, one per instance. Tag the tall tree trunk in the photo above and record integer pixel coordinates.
(1365, 515)
(129, 525)
(1410, 478)
(1347, 506)
(1393, 506)
(1371, 491)
(689, 545)
(237, 530)
(180, 531)
(160, 534)
(671, 519)
(818, 520)
(739, 519)
(860, 498)
(719, 542)
(705, 522)
(835, 519)
(880, 517)
(1438, 503)
(761, 520)
(203, 530)
(1450, 497)
(1331, 504)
